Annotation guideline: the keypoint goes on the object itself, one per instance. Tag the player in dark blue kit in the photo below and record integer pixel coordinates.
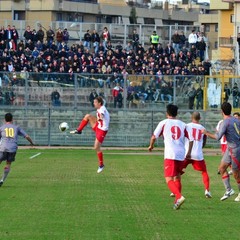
(8, 144)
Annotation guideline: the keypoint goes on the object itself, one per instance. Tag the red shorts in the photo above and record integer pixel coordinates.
(224, 148)
(172, 168)
(197, 165)
(100, 134)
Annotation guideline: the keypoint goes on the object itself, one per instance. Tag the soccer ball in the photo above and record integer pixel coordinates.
(63, 126)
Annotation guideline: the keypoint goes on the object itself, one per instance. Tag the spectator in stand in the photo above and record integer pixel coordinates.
(191, 97)
(117, 95)
(2, 34)
(50, 36)
(207, 66)
(154, 39)
(169, 50)
(15, 35)
(106, 38)
(199, 97)
(27, 34)
(135, 40)
(227, 92)
(192, 39)
(166, 93)
(201, 47)
(12, 46)
(40, 35)
(59, 37)
(34, 37)
(8, 36)
(92, 96)
(235, 94)
(183, 39)
(65, 36)
(176, 42)
(87, 40)
(55, 97)
(95, 40)
(9, 96)
(149, 93)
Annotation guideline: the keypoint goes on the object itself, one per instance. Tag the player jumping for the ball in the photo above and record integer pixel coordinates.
(8, 145)
(100, 125)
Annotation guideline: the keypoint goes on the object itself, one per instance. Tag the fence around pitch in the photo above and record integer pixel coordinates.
(120, 32)
(127, 128)
(35, 89)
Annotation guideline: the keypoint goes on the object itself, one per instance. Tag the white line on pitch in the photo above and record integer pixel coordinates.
(33, 156)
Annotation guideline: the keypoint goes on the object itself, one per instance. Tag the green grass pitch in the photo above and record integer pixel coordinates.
(58, 195)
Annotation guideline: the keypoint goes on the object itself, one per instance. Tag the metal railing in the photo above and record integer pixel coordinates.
(119, 32)
(35, 89)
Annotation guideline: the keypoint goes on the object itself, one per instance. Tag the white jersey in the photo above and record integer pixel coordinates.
(223, 139)
(104, 124)
(194, 129)
(173, 132)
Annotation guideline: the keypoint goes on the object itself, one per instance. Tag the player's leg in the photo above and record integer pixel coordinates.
(88, 118)
(173, 187)
(6, 172)
(10, 158)
(173, 180)
(177, 180)
(235, 156)
(226, 161)
(201, 166)
(97, 147)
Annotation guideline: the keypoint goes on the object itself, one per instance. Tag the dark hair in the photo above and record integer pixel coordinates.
(8, 117)
(99, 99)
(226, 108)
(237, 113)
(172, 110)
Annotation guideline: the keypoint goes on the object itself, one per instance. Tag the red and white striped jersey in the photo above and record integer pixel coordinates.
(174, 133)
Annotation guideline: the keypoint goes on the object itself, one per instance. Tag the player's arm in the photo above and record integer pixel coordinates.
(204, 140)
(157, 133)
(211, 135)
(152, 141)
(189, 136)
(29, 139)
(190, 146)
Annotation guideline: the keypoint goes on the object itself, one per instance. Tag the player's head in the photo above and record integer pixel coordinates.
(98, 102)
(172, 110)
(226, 108)
(236, 115)
(8, 117)
(196, 116)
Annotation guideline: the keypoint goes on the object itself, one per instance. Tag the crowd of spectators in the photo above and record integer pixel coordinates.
(46, 52)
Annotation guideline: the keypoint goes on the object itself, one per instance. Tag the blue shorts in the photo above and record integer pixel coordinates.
(7, 156)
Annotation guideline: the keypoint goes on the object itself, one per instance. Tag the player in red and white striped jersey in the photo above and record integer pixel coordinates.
(100, 125)
(199, 140)
(223, 140)
(174, 132)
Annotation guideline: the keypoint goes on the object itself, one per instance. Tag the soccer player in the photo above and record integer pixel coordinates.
(223, 140)
(8, 145)
(174, 133)
(100, 125)
(197, 159)
(231, 129)
(237, 115)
